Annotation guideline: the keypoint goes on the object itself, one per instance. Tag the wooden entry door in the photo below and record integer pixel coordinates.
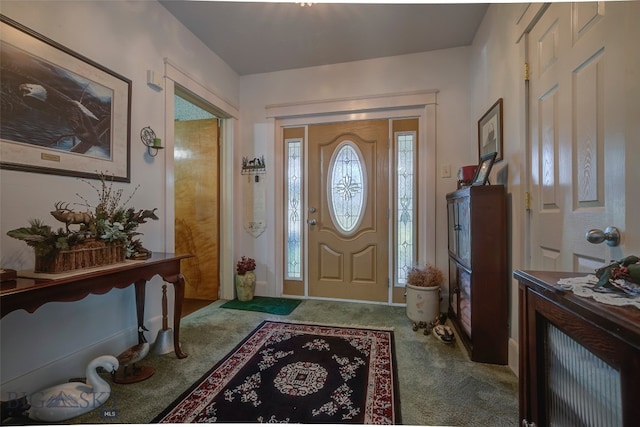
(197, 205)
(348, 250)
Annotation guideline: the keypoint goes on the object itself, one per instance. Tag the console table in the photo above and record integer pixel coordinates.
(29, 294)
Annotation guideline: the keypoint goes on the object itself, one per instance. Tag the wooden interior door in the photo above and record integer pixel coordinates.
(348, 210)
(580, 58)
(197, 205)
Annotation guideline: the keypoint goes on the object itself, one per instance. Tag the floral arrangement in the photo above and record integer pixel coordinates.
(109, 221)
(425, 277)
(245, 264)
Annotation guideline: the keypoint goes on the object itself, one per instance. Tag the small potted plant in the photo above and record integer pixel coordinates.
(245, 278)
(423, 293)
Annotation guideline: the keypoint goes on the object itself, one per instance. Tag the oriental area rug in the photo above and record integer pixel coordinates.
(297, 373)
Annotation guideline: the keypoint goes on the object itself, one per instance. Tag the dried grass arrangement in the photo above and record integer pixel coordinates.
(429, 276)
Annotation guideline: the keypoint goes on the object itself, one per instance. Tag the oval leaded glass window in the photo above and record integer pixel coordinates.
(346, 187)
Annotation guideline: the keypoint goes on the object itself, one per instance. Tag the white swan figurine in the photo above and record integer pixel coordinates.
(64, 401)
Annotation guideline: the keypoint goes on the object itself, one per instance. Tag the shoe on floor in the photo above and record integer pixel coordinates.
(444, 333)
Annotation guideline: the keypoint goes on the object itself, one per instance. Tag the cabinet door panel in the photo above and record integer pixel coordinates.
(464, 231)
(452, 208)
(464, 279)
(576, 359)
(454, 287)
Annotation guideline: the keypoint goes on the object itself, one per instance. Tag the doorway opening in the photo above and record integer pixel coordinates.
(197, 188)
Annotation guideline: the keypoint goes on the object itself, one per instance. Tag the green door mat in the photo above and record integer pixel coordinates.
(270, 305)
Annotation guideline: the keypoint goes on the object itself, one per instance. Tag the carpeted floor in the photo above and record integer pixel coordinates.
(439, 385)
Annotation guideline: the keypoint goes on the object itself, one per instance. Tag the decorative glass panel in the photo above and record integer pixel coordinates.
(293, 198)
(582, 389)
(405, 206)
(346, 187)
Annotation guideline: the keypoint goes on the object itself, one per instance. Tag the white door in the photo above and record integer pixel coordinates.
(583, 58)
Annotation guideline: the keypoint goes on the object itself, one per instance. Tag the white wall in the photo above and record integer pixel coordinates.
(446, 71)
(498, 72)
(128, 37)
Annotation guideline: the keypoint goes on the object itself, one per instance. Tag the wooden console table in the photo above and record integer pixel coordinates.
(30, 294)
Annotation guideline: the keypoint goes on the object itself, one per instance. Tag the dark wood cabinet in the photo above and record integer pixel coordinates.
(478, 277)
(579, 360)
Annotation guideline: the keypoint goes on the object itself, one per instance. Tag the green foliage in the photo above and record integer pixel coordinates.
(111, 221)
(43, 239)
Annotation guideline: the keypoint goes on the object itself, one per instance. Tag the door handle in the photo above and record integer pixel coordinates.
(611, 235)
(312, 221)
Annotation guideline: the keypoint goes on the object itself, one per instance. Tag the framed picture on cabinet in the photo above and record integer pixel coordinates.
(490, 132)
(62, 113)
(483, 169)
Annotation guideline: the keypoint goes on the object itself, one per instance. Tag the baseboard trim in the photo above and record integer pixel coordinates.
(74, 364)
(513, 355)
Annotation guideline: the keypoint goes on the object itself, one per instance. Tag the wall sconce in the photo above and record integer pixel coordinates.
(148, 137)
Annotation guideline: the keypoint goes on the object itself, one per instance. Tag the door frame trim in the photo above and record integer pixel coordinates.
(421, 104)
(228, 114)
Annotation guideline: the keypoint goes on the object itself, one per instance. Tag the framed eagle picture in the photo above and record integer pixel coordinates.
(62, 113)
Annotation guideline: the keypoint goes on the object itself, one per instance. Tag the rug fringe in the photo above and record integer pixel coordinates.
(333, 325)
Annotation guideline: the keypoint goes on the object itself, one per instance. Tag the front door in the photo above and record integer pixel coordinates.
(582, 113)
(348, 210)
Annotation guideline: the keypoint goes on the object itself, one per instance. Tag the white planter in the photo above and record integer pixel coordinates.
(423, 303)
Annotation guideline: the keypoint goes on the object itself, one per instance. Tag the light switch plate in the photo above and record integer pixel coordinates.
(445, 171)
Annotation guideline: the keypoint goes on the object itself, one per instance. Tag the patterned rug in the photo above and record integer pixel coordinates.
(297, 373)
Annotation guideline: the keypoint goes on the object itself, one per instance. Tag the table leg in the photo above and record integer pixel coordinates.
(178, 286)
(140, 296)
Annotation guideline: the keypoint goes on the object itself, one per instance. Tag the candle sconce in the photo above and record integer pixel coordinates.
(256, 167)
(148, 137)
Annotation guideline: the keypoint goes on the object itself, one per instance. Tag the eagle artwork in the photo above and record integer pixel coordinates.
(85, 128)
(49, 106)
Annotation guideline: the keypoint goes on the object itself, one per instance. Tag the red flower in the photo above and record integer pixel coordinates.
(245, 264)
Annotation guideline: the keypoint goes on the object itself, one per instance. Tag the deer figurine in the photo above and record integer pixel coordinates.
(66, 215)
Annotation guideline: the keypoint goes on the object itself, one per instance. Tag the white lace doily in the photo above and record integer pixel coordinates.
(583, 287)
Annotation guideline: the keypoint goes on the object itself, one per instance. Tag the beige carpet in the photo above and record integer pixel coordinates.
(439, 385)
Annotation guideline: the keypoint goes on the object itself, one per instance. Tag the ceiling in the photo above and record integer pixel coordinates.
(264, 37)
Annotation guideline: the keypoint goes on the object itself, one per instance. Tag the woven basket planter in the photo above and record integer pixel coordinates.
(87, 255)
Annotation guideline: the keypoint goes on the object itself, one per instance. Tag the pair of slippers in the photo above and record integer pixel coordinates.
(444, 334)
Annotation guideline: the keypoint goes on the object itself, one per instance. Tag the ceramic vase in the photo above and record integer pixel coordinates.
(245, 286)
(423, 303)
